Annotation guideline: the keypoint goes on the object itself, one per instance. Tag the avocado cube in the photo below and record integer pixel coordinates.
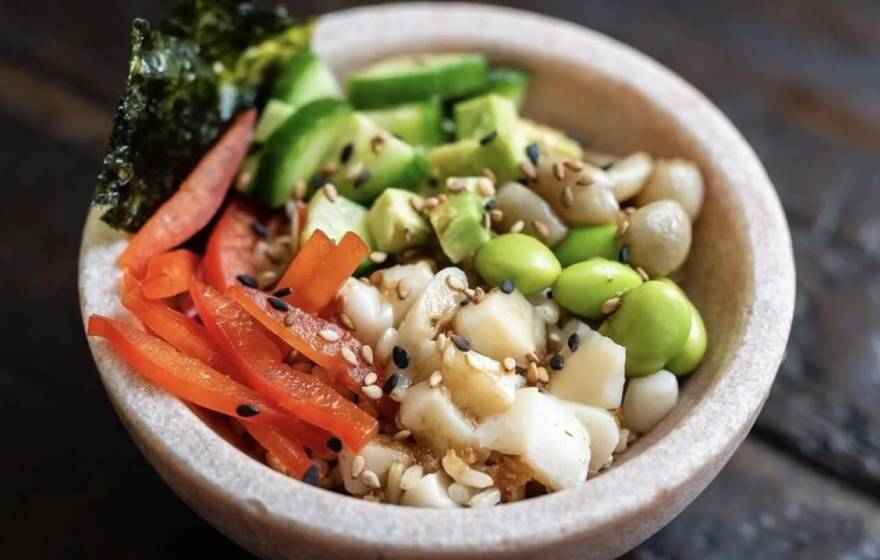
(458, 223)
(393, 222)
(482, 116)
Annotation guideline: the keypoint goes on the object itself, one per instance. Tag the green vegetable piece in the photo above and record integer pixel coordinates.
(458, 223)
(502, 155)
(419, 124)
(416, 78)
(393, 222)
(175, 103)
(304, 78)
(583, 287)
(274, 114)
(550, 140)
(378, 160)
(586, 242)
(488, 114)
(335, 218)
(694, 347)
(521, 258)
(652, 323)
(511, 83)
(296, 149)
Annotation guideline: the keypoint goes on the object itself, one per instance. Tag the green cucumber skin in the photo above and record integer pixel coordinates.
(305, 78)
(280, 165)
(509, 82)
(418, 124)
(368, 92)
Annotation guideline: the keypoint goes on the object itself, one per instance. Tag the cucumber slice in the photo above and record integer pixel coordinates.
(419, 124)
(375, 160)
(458, 223)
(486, 114)
(273, 116)
(305, 78)
(415, 78)
(335, 218)
(550, 140)
(503, 155)
(511, 83)
(295, 150)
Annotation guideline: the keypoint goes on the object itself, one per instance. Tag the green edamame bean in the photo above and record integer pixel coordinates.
(530, 264)
(582, 288)
(652, 323)
(586, 242)
(691, 354)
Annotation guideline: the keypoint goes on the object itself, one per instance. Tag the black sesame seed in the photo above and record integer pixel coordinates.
(311, 476)
(533, 152)
(283, 292)
(390, 383)
(490, 205)
(507, 286)
(549, 293)
(557, 362)
(247, 280)
(461, 342)
(247, 410)
(346, 153)
(488, 138)
(400, 357)
(465, 302)
(607, 166)
(278, 304)
(362, 179)
(574, 341)
(334, 444)
(433, 182)
(623, 256)
(398, 136)
(259, 229)
(317, 181)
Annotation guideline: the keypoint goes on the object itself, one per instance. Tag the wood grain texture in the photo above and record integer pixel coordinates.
(800, 79)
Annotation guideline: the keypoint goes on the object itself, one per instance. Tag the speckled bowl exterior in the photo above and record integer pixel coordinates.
(740, 274)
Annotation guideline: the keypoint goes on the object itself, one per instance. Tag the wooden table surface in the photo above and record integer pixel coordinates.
(801, 80)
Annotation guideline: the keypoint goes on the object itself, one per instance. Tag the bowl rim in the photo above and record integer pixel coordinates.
(198, 463)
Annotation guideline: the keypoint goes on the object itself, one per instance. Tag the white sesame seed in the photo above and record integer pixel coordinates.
(370, 479)
(532, 357)
(357, 466)
(621, 228)
(574, 165)
(435, 379)
(532, 373)
(417, 204)
(541, 229)
(367, 353)
(485, 187)
(370, 378)
(643, 273)
(403, 289)
(509, 363)
(349, 356)
(455, 283)
(402, 435)
(354, 170)
(517, 226)
(346, 321)
(486, 498)
(372, 391)
(558, 171)
(609, 306)
(330, 192)
(456, 185)
(329, 335)
(378, 257)
(567, 196)
(489, 174)
(528, 169)
(398, 393)
(496, 214)
(290, 319)
(244, 179)
(385, 345)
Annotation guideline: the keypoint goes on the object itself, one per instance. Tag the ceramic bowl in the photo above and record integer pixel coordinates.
(740, 274)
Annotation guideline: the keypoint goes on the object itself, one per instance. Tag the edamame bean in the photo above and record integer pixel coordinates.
(530, 264)
(586, 242)
(659, 237)
(694, 347)
(678, 180)
(652, 323)
(583, 287)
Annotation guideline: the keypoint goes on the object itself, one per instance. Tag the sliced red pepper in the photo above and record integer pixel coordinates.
(288, 451)
(305, 332)
(176, 329)
(323, 285)
(230, 250)
(168, 274)
(196, 201)
(306, 262)
(258, 358)
(184, 376)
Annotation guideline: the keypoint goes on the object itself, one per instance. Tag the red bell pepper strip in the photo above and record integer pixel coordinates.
(184, 376)
(306, 332)
(168, 274)
(260, 362)
(196, 201)
(176, 329)
(288, 451)
(230, 250)
(306, 262)
(322, 286)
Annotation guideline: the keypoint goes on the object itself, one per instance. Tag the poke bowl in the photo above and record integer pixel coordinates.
(738, 273)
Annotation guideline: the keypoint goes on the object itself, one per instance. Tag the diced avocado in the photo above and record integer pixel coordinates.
(274, 114)
(303, 79)
(374, 161)
(393, 222)
(417, 77)
(458, 223)
(509, 82)
(335, 218)
(419, 124)
(295, 150)
(503, 155)
(550, 140)
(485, 115)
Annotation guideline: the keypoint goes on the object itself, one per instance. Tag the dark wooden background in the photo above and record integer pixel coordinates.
(800, 78)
